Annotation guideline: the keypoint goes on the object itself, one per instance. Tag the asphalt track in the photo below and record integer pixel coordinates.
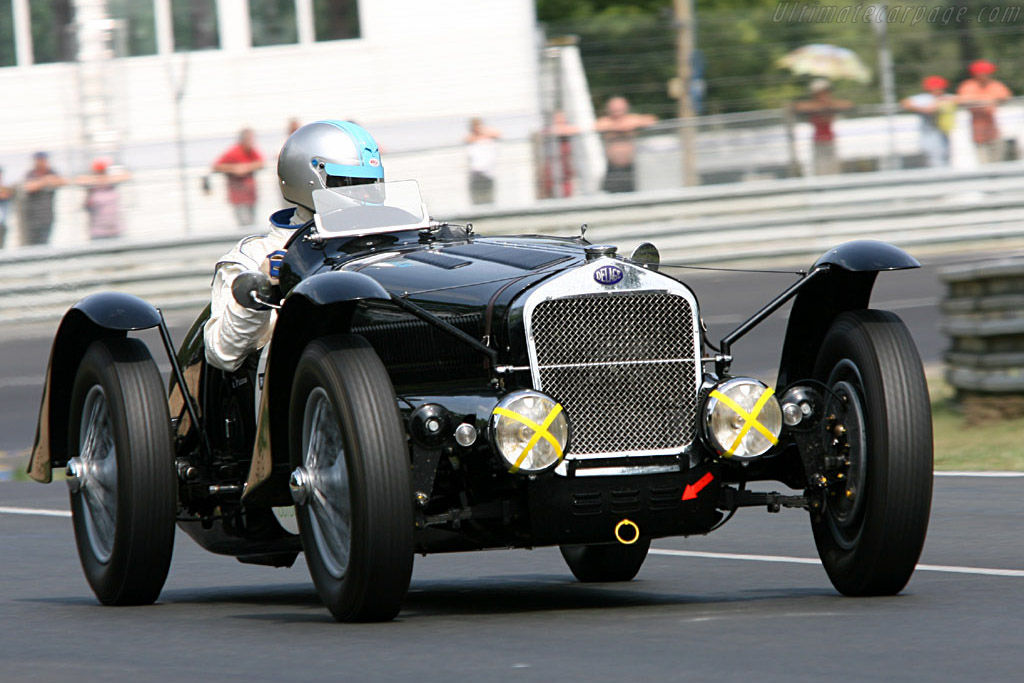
(747, 603)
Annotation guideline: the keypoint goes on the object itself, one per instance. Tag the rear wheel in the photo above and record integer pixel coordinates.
(606, 562)
(121, 473)
(872, 529)
(352, 483)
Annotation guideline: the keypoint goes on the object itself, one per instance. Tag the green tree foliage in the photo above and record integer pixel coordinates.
(7, 56)
(52, 37)
(559, 10)
(628, 48)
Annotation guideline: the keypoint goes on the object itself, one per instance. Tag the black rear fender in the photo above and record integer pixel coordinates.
(107, 314)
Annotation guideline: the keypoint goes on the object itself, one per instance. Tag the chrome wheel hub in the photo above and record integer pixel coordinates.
(92, 474)
(300, 486)
(322, 483)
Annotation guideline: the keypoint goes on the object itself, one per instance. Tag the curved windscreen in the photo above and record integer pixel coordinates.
(367, 209)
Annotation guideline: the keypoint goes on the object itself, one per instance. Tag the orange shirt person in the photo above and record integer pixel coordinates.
(982, 95)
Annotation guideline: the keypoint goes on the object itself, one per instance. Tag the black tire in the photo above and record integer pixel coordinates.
(124, 504)
(872, 528)
(365, 576)
(606, 562)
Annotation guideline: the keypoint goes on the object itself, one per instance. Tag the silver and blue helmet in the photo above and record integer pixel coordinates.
(326, 154)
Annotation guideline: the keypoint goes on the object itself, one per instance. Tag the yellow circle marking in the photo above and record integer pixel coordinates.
(627, 523)
(750, 419)
(539, 431)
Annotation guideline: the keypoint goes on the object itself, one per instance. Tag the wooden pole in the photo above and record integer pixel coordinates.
(684, 66)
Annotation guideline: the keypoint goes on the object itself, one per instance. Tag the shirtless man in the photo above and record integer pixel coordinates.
(617, 128)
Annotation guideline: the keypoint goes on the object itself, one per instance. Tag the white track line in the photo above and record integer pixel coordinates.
(31, 381)
(984, 475)
(34, 511)
(983, 571)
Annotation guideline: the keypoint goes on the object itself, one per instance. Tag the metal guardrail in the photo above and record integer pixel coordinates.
(792, 219)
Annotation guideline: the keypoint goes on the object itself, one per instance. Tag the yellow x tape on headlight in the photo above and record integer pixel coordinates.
(539, 431)
(749, 419)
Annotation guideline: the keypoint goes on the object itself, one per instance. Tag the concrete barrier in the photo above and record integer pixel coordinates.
(794, 220)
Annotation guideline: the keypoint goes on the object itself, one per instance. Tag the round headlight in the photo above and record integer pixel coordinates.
(742, 418)
(530, 431)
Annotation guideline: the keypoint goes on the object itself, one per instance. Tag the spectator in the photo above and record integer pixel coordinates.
(5, 203)
(483, 160)
(937, 110)
(103, 199)
(821, 109)
(558, 166)
(41, 184)
(982, 95)
(618, 128)
(240, 163)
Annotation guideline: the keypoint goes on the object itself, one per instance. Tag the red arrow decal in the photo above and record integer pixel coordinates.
(691, 490)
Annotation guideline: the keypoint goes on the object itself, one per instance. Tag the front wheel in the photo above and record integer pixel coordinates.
(351, 484)
(121, 473)
(606, 562)
(872, 528)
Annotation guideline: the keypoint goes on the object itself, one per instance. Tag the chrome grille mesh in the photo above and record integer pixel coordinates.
(622, 366)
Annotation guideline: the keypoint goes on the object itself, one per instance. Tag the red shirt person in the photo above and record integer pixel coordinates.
(240, 163)
(821, 109)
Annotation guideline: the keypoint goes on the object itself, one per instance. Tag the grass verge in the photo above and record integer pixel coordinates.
(996, 445)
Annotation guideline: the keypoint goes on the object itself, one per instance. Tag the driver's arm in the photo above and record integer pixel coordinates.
(233, 332)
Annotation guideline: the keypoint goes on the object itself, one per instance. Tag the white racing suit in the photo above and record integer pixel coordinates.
(233, 332)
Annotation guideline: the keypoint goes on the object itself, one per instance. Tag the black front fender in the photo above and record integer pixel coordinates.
(846, 286)
(336, 286)
(862, 256)
(107, 314)
(318, 306)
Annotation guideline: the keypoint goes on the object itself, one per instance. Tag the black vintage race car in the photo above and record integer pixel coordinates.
(430, 390)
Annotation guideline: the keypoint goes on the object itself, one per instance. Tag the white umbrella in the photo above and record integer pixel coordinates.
(826, 61)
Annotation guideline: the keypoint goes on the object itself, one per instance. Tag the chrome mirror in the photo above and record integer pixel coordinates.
(647, 255)
(252, 290)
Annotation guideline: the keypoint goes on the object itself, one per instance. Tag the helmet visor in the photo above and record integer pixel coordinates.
(361, 189)
(369, 170)
(360, 209)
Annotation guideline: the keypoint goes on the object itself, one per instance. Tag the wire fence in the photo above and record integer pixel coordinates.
(536, 168)
(634, 54)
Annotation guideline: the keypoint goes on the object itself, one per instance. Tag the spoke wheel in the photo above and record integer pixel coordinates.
(876, 505)
(96, 470)
(330, 501)
(120, 473)
(351, 482)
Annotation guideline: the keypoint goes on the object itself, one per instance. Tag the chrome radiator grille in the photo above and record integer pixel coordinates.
(622, 366)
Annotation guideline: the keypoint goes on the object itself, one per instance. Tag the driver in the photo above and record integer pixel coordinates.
(318, 155)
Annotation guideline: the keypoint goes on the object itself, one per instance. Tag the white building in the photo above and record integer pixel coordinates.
(77, 84)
